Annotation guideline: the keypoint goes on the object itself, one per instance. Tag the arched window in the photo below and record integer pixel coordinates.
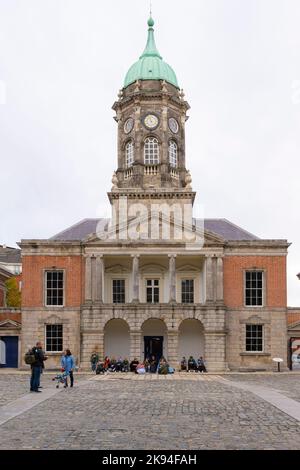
(173, 153)
(129, 154)
(151, 151)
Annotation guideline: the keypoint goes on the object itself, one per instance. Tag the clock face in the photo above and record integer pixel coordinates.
(151, 121)
(128, 126)
(173, 125)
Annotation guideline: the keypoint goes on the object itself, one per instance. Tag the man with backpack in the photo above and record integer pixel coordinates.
(37, 364)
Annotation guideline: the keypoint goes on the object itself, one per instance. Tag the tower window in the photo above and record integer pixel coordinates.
(129, 154)
(151, 151)
(173, 153)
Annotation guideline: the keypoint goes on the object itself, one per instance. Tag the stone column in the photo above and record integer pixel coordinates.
(172, 278)
(135, 345)
(135, 278)
(220, 293)
(173, 349)
(98, 280)
(88, 279)
(209, 279)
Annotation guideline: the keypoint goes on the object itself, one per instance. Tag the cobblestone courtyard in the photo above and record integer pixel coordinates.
(186, 411)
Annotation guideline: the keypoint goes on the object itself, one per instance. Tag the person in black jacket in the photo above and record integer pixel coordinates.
(36, 367)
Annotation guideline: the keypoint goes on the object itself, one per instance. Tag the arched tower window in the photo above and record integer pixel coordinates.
(173, 151)
(129, 154)
(151, 151)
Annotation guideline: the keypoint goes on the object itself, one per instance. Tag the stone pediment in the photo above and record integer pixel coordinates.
(140, 229)
(11, 324)
(187, 268)
(152, 268)
(117, 268)
(294, 326)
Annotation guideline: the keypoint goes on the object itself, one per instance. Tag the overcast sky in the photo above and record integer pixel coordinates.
(62, 63)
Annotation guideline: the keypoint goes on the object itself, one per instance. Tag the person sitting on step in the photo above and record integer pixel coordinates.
(183, 364)
(163, 367)
(106, 363)
(125, 367)
(140, 368)
(201, 365)
(133, 364)
(192, 365)
(113, 365)
(119, 364)
(153, 364)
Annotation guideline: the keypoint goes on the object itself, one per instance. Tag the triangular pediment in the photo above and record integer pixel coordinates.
(143, 229)
(294, 326)
(117, 268)
(8, 323)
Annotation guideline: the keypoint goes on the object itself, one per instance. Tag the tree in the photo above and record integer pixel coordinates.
(13, 295)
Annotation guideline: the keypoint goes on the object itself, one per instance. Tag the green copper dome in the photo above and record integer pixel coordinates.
(150, 65)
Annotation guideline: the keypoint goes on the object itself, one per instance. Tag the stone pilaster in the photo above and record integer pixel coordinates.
(98, 279)
(220, 293)
(173, 349)
(135, 345)
(215, 351)
(135, 279)
(88, 279)
(172, 278)
(209, 279)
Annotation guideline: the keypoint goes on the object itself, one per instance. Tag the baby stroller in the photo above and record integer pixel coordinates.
(100, 368)
(61, 379)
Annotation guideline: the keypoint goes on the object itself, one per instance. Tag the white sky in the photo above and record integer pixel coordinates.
(62, 63)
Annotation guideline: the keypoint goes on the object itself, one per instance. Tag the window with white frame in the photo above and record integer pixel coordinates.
(54, 294)
(254, 338)
(152, 291)
(253, 288)
(173, 153)
(129, 154)
(187, 291)
(151, 151)
(54, 338)
(118, 291)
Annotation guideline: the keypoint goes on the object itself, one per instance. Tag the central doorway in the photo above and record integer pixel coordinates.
(153, 346)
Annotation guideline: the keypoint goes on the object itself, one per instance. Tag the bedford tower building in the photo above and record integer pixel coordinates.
(153, 279)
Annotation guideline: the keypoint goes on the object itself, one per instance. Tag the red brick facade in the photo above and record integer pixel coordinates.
(33, 276)
(275, 279)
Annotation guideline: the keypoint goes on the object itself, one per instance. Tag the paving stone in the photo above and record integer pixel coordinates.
(203, 413)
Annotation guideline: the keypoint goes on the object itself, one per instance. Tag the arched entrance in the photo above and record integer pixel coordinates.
(154, 339)
(191, 339)
(117, 339)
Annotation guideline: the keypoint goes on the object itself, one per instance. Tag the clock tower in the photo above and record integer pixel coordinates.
(151, 116)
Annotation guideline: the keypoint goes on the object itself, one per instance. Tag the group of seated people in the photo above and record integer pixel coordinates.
(192, 365)
(151, 365)
(112, 365)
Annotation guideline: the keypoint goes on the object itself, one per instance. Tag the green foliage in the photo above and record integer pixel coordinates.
(13, 295)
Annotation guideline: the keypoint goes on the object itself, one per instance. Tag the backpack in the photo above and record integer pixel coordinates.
(29, 357)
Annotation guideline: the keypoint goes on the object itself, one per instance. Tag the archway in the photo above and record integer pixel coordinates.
(117, 339)
(154, 338)
(191, 339)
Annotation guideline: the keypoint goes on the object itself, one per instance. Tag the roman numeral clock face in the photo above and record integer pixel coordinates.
(151, 121)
